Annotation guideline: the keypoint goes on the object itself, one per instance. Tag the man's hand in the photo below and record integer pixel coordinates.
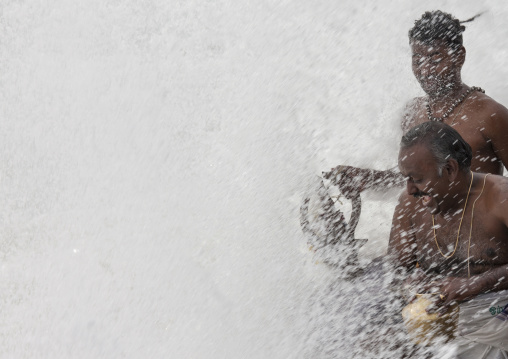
(450, 291)
(350, 180)
(416, 283)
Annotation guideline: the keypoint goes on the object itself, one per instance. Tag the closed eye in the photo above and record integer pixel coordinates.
(415, 181)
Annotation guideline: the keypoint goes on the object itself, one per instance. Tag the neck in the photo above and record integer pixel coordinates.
(446, 95)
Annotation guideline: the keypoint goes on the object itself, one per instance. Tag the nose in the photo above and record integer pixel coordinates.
(411, 188)
(426, 69)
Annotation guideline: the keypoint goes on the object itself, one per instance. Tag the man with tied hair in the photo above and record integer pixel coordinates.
(450, 236)
(438, 55)
(474, 275)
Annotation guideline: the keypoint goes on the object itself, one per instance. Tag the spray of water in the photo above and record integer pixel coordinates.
(153, 157)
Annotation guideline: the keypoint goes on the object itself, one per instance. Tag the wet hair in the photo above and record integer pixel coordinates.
(443, 142)
(438, 25)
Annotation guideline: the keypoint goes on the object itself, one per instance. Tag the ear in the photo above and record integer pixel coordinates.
(452, 169)
(461, 56)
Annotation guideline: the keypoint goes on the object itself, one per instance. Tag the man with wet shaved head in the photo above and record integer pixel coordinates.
(450, 236)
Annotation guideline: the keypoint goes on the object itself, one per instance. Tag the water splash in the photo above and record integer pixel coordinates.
(153, 157)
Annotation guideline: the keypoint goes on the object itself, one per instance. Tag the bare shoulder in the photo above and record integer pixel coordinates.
(492, 111)
(411, 110)
(497, 193)
(498, 184)
(487, 102)
(492, 123)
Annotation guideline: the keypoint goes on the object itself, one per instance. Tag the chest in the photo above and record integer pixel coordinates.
(470, 123)
(449, 247)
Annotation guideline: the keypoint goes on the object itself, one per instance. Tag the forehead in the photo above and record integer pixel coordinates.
(438, 46)
(416, 160)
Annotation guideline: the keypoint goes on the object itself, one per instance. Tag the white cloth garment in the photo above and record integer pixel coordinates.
(483, 327)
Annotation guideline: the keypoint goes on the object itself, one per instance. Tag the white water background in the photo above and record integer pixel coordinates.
(153, 155)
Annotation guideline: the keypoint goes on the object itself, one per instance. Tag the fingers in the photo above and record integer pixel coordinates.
(441, 305)
(445, 308)
(350, 180)
(438, 305)
(432, 309)
(429, 287)
(441, 299)
(350, 192)
(335, 171)
(338, 177)
(327, 175)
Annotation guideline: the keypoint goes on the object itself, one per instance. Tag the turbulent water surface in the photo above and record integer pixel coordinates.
(153, 156)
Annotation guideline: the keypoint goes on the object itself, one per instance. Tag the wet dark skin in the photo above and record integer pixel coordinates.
(480, 120)
(412, 238)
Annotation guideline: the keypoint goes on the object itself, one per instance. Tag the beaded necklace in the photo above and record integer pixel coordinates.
(453, 106)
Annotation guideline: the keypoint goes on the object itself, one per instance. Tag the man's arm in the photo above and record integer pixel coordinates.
(402, 243)
(402, 250)
(458, 289)
(353, 180)
(496, 130)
